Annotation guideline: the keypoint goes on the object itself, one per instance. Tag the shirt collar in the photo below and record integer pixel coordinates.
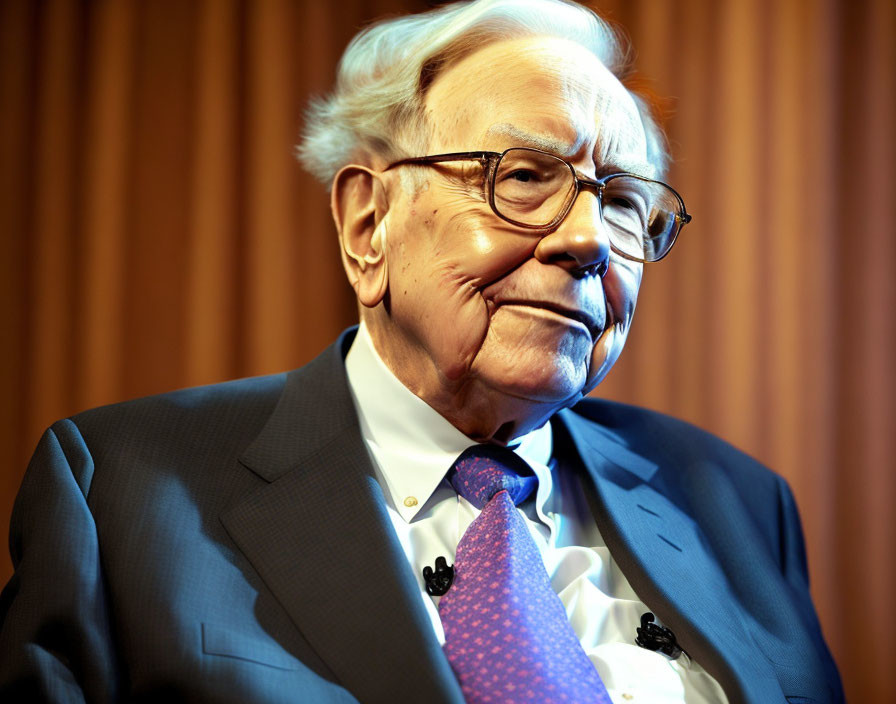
(412, 443)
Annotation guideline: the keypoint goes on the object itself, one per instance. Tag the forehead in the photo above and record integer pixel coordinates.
(548, 93)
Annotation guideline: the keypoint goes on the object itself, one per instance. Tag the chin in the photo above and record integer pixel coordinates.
(549, 381)
(537, 368)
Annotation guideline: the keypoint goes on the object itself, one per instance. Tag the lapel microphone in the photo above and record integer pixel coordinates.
(439, 581)
(654, 637)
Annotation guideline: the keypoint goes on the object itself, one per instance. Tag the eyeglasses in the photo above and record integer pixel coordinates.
(534, 189)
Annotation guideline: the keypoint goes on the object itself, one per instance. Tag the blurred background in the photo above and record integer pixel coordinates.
(155, 232)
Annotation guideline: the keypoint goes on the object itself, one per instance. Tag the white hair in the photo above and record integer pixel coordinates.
(378, 102)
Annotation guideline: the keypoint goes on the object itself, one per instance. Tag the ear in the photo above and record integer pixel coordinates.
(359, 206)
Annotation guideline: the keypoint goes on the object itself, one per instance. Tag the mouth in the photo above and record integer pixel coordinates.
(591, 323)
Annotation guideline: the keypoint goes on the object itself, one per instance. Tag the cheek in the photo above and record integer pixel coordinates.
(604, 355)
(478, 249)
(437, 271)
(621, 286)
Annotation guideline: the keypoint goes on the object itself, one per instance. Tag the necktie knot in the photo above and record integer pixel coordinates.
(482, 471)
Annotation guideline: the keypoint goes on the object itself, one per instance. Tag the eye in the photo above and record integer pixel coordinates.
(523, 175)
(627, 197)
(621, 202)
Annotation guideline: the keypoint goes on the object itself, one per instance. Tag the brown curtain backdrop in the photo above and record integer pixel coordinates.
(156, 233)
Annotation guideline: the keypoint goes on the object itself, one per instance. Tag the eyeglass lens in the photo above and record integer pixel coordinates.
(534, 188)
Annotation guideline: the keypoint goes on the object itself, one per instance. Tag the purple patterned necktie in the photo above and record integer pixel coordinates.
(507, 636)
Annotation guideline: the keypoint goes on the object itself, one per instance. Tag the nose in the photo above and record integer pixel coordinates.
(581, 243)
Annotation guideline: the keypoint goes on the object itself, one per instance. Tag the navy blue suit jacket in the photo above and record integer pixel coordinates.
(230, 543)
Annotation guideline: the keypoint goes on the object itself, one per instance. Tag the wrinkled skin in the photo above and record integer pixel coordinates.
(496, 327)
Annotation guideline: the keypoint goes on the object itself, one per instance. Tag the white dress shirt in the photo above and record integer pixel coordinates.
(412, 447)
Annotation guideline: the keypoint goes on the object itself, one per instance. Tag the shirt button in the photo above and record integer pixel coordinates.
(410, 502)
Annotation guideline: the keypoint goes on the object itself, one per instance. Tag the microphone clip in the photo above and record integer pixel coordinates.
(654, 637)
(439, 581)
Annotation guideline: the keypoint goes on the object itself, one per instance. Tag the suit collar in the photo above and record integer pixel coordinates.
(607, 444)
(319, 536)
(662, 552)
(314, 410)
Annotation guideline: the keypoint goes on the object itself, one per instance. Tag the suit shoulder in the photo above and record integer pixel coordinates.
(231, 408)
(195, 399)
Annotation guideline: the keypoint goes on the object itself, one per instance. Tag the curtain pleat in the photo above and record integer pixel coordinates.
(211, 251)
(102, 186)
(157, 233)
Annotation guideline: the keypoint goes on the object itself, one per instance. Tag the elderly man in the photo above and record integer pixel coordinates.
(348, 531)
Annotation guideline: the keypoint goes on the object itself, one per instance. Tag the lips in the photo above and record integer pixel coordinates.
(534, 285)
(593, 322)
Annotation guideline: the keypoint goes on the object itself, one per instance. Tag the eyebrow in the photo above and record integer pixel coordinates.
(528, 139)
(565, 149)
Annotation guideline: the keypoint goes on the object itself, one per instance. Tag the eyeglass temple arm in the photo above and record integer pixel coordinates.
(438, 158)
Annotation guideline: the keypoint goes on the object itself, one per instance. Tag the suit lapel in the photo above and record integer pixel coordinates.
(662, 552)
(319, 535)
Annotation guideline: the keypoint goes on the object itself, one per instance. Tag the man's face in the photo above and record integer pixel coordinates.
(478, 308)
